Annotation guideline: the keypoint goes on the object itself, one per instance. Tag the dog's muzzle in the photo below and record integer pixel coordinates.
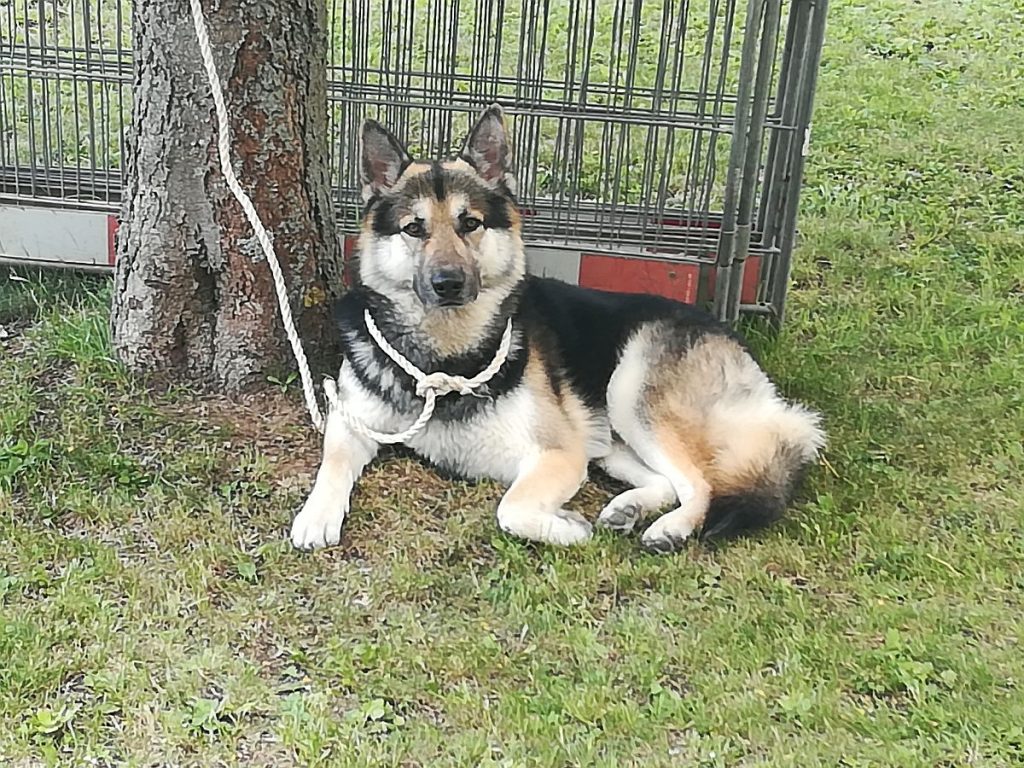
(448, 287)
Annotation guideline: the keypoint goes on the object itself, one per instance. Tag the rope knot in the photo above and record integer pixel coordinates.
(442, 383)
(429, 386)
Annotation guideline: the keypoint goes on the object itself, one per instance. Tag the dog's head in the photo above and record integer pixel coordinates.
(440, 235)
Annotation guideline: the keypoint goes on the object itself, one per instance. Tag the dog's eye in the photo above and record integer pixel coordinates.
(471, 223)
(414, 229)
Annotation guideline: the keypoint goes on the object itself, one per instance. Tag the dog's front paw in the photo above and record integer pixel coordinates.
(320, 521)
(562, 527)
(569, 528)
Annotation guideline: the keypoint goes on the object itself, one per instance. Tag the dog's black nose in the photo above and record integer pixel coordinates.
(448, 284)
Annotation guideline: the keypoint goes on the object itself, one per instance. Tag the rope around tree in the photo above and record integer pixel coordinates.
(429, 386)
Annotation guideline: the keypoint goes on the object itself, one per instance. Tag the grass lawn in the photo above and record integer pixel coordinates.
(152, 612)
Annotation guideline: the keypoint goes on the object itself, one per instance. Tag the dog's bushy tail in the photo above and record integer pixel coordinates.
(757, 495)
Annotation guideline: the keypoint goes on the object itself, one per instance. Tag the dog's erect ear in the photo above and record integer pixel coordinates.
(487, 148)
(384, 159)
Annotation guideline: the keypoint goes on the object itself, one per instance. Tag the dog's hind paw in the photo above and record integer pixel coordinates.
(319, 523)
(667, 534)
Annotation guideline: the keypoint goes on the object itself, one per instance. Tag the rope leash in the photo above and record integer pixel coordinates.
(428, 386)
(224, 150)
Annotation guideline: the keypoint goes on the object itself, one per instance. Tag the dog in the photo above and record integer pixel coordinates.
(655, 392)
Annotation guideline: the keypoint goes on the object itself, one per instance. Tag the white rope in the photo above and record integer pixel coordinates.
(428, 386)
(224, 150)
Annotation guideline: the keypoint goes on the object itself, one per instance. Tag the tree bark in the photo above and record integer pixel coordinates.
(194, 298)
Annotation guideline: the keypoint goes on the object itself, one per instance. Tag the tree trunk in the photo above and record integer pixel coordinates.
(194, 298)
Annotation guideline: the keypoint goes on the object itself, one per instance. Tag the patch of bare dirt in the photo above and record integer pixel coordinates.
(14, 339)
(270, 421)
(263, 748)
(47, 383)
(12, 331)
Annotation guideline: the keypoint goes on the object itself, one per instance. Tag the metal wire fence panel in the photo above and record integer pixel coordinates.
(641, 127)
(622, 112)
(65, 76)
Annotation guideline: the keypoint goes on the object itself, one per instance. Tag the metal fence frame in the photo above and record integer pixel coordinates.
(702, 224)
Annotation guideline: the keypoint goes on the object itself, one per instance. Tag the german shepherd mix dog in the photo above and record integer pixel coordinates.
(657, 393)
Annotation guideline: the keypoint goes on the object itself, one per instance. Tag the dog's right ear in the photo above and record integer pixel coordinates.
(384, 158)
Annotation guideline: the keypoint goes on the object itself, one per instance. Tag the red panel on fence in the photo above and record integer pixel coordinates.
(348, 247)
(665, 278)
(751, 274)
(111, 240)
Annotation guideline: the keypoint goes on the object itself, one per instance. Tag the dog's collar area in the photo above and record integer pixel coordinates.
(429, 386)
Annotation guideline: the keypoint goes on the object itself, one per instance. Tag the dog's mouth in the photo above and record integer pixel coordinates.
(452, 302)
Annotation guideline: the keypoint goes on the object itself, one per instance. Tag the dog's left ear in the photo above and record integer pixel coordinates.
(487, 148)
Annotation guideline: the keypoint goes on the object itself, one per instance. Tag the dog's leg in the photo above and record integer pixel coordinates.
(672, 458)
(668, 452)
(345, 454)
(532, 506)
(665, 436)
(651, 492)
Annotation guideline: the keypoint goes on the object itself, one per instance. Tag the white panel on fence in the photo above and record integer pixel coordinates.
(554, 262)
(78, 238)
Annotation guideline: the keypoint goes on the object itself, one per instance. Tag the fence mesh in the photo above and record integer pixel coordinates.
(668, 127)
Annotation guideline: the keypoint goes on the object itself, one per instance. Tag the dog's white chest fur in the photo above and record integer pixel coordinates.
(492, 443)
